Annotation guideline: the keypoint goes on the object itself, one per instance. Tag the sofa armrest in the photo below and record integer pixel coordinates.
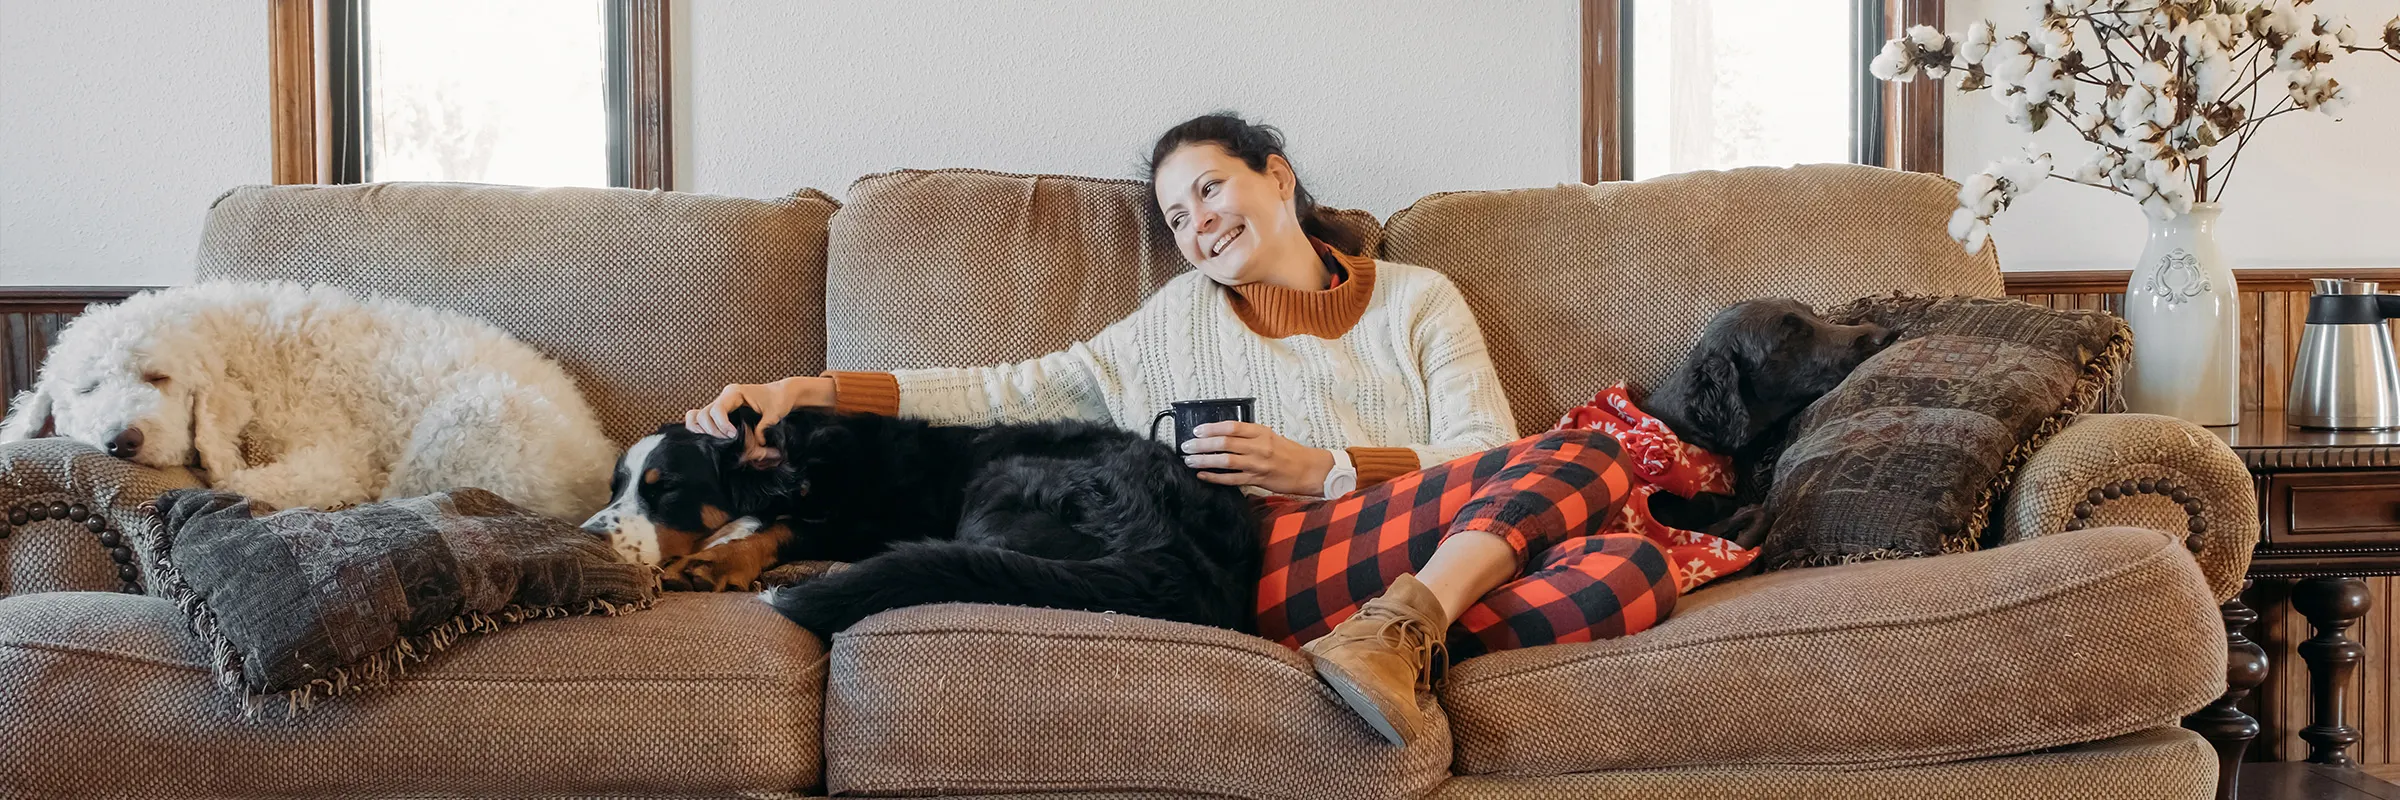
(72, 518)
(2147, 471)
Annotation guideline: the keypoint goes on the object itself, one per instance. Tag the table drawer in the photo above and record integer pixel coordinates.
(2333, 508)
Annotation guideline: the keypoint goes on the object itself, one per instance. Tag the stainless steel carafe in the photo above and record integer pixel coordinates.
(2346, 377)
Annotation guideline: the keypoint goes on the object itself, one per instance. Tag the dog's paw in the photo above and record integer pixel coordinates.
(716, 569)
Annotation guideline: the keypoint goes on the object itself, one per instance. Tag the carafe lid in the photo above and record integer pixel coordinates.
(2342, 286)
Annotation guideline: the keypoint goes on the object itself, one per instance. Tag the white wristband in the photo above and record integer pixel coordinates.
(1342, 479)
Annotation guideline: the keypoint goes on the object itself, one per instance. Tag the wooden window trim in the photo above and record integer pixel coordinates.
(307, 36)
(1912, 112)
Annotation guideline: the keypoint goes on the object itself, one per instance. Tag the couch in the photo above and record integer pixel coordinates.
(2056, 663)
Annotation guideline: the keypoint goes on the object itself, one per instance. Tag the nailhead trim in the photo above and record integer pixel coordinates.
(2196, 528)
(112, 539)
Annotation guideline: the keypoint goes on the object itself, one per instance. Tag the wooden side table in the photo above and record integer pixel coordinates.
(2330, 508)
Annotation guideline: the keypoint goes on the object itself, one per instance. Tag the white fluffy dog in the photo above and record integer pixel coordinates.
(310, 396)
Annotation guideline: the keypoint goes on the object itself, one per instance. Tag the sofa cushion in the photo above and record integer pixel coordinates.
(969, 699)
(1578, 287)
(956, 267)
(651, 300)
(2156, 764)
(110, 696)
(2049, 642)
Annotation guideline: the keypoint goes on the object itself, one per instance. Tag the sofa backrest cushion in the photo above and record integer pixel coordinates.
(652, 300)
(957, 267)
(1578, 287)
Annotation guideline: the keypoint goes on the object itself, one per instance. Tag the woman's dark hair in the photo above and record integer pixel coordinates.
(1252, 143)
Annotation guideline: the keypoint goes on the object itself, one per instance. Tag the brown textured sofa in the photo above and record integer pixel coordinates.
(2055, 666)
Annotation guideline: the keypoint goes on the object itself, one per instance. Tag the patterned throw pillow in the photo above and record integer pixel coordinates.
(1907, 457)
(305, 603)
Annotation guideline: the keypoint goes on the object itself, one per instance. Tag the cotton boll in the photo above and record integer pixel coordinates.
(2022, 175)
(2097, 168)
(1893, 64)
(2211, 77)
(1977, 234)
(1974, 187)
(2008, 62)
(1978, 42)
(2134, 107)
(2303, 51)
(1961, 221)
(1927, 37)
(2054, 42)
(2391, 33)
(2178, 197)
(2337, 28)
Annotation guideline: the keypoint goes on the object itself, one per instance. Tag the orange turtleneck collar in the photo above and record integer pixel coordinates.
(1276, 312)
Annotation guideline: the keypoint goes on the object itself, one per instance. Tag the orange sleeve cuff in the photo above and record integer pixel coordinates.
(866, 393)
(1378, 464)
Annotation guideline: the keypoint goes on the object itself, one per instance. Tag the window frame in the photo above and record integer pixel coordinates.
(1893, 125)
(319, 76)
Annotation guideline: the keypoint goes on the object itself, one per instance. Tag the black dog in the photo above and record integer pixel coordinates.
(1756, 365)
(1067, 515)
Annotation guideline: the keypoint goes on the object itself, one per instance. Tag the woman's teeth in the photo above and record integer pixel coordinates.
(1227, 239)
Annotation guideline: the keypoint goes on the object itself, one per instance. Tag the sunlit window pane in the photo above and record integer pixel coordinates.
(490, 91)
(1730, 83)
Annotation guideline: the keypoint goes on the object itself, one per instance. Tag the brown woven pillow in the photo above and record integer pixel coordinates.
(1906, 457)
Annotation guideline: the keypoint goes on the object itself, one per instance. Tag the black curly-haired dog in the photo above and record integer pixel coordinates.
(1756, 365)
(1068, 515)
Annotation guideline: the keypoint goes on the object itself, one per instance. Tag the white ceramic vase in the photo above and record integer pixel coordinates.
(2186, 315)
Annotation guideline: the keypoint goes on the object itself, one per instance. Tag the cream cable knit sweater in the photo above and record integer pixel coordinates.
(1410, 372)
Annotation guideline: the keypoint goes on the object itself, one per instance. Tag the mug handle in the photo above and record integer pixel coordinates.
(1162, 417)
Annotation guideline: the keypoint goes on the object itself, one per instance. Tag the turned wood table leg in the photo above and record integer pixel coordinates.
(2332, 605)
(2225, 726)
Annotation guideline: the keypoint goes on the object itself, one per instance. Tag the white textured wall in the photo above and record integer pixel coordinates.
(2309, 192)
(1383, 101)
(119, 121)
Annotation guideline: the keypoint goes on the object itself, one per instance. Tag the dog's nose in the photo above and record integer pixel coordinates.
(125, 444)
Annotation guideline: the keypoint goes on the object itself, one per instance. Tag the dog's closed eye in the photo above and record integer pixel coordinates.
(155, 378)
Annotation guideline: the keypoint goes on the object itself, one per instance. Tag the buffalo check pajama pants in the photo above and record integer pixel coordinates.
(1546, 495)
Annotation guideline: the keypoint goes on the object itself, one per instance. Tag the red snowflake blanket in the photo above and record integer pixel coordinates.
(1663, 462)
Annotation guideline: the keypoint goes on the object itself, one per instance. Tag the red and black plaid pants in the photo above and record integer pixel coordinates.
(1545, 495)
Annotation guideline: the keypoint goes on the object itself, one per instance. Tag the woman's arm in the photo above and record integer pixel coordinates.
(1074, 383)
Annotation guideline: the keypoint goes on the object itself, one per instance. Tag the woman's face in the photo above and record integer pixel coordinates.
(1223, 213)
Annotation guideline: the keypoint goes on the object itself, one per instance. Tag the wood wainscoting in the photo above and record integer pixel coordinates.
(31, 317)
(2274, 307)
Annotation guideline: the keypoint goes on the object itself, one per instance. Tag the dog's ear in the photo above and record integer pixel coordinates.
(220, 412)
(1715, 403)
(28, 417)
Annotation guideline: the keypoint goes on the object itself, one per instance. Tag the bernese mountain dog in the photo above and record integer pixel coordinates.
(1070, 515)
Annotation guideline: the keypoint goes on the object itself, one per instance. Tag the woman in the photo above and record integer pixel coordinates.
(1366, 372)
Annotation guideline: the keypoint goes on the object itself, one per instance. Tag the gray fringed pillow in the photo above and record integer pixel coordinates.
(305, 603)
(1908, 455)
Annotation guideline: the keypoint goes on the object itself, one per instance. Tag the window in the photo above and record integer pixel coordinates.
(537, 92)
(1679, 85)
(488, 91)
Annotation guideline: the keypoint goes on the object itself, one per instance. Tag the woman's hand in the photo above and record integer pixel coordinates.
(1259, 457)
(771, 400)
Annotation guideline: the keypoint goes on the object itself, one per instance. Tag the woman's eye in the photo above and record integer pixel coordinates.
(1209, 189)
(1177, 223)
